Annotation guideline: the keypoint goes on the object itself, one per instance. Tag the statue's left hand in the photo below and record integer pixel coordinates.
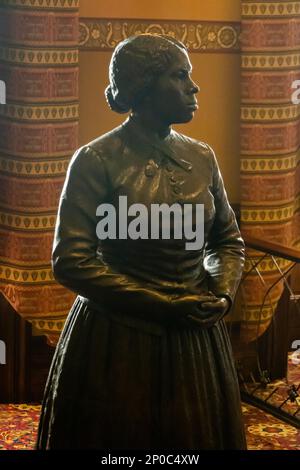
(210, 311)
(220, 304)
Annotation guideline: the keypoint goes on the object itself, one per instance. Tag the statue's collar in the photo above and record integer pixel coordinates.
(148, 140)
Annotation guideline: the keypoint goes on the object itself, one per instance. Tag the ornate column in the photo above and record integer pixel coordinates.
(270, 142)
(38, 134)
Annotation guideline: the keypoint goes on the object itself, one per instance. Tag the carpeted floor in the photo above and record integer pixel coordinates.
(264, 432)
(19, 423)
(283, 393)
(18, 428)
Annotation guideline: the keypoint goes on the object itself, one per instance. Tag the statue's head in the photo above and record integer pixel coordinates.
(136, 64)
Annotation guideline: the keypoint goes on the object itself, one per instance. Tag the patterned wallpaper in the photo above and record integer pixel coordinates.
(199, 36)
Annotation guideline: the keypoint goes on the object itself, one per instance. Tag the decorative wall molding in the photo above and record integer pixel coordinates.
(199, 36)
(42, 4)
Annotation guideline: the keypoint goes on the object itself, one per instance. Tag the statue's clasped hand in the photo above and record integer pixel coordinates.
(209, 310)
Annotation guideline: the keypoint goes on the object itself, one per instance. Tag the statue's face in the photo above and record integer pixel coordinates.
(173, 97)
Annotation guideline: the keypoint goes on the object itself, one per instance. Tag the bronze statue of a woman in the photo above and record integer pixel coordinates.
(144, 360)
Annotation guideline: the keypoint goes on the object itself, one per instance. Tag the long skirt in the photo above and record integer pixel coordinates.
(120, 383)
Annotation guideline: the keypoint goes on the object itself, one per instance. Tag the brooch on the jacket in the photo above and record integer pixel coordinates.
(151, 168)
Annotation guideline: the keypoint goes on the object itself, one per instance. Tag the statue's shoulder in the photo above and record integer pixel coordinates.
(109, 144)
(196, 147)
(89, 158)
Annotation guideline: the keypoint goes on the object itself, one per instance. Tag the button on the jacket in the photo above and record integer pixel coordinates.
(173, 179)
(169, 167)
(150, 169)
(176, 189)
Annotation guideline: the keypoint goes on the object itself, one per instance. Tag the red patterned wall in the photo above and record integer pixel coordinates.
(38, 134)
(270, 142)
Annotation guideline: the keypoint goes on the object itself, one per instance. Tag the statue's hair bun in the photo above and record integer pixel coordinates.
(112, 103)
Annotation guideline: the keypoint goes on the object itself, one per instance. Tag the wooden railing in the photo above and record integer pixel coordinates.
(257, 387)
(273, 249)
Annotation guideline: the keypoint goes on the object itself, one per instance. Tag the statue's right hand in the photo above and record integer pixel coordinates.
(188, 308)
(188, 304)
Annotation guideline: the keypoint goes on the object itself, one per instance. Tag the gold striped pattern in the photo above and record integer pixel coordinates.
(274, 164)
(28, 168)
(282, 8)
(25, 276)
(49, 57)
(34, 222)
(49, 325)
(267, 265)
(266, 113)
(267, 215)
(37, 112)
(287, 61)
